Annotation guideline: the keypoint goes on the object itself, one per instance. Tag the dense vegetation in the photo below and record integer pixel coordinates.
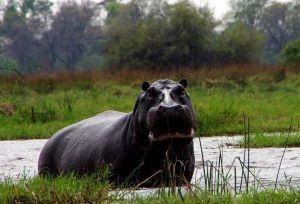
(39, 105)
(291, 53)
(34, 35)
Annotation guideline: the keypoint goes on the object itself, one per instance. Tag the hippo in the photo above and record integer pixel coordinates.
(150, 146)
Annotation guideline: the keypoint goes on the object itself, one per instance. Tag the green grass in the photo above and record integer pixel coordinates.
(45, 105)
(268, 196)
(261, 140)
(93, 189)
(47, 190)
(40, 115)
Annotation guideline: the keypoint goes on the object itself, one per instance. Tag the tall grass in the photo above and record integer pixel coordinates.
(47, 81)
(68, 189)
(93, 190)
(262, 140)
(46, 102)
(219, 181)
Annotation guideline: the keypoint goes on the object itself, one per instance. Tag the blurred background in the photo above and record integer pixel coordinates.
(51, 35)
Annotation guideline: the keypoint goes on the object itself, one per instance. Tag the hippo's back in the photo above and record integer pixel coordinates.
(74, 148)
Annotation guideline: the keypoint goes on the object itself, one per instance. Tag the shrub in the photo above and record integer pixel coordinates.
(291, 53)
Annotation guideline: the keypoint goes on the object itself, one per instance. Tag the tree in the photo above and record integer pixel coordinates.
(121, 36)
(239, 44)
(37, 39)
(164, 36)
(20, 28)
(280, 24)
(291, 53)
(247, 11)
(188, 35)
(67, 39)
(113, 9)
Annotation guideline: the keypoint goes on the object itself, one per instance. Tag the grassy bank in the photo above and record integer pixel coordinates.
(93, 189)
(261, 140)
(39, 105)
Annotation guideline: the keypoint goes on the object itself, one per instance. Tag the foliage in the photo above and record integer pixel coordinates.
(239, 44)
(247, 11)
(173, 36)
(143, 34)
(69, 33)
(8, 65)
(49, 40)
(291, 53)
(19, 26)
(278, 22)
(188, 35)
(121, 36)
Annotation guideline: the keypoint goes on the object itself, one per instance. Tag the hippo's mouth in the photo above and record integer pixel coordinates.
(157, 137)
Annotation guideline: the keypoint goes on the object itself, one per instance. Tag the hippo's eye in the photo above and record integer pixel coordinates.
(179, 91)
(178, 94)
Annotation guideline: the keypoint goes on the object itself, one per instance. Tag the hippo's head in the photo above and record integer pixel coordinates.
(164, 112)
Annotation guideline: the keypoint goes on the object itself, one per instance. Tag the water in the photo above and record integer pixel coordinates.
(264, 163)
(20, 157)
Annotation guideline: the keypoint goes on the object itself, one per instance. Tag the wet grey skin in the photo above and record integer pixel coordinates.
(133, 146)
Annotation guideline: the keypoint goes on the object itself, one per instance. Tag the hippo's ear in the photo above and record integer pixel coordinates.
(145, 85)
(184, 83)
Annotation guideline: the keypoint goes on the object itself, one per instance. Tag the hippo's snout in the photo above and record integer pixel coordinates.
(170, 109)
(170, 122)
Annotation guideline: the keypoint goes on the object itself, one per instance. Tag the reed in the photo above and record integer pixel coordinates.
(285, 146)
(219, 180)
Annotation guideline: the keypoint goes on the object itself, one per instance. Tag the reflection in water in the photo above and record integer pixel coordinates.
(20, 157)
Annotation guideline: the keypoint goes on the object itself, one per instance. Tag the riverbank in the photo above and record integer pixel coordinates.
(39, 105)
(18, 180)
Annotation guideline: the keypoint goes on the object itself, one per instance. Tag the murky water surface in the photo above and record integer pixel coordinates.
(20, 157)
